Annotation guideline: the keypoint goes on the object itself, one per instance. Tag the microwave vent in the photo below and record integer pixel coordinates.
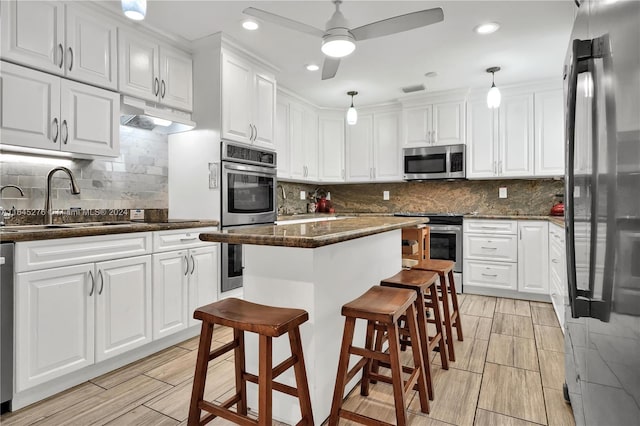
(415, 88)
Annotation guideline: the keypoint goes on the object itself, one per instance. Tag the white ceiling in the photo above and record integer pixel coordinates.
(530, 45)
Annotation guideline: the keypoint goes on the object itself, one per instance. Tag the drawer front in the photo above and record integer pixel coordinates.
(36, 255)
(491, 226)
(557, 299)
(179, 238)
(556, 233)
(491, 274)
(502, 248)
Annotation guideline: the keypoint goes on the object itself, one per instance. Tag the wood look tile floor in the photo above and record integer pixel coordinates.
(509, 371)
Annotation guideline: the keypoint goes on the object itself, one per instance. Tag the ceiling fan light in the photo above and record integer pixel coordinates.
(493, 97)
(134, 9)
(487, 28)
(312, 67)
(338, 46)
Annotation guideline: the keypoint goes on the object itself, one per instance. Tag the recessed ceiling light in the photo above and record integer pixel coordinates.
(431, 74)
(312, 67)
(250, 24)
(487, 28)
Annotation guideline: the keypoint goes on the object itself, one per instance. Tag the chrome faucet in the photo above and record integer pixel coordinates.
(75, 189)
(4, 214)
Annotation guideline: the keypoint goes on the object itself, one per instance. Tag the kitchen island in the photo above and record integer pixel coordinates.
(318, 267)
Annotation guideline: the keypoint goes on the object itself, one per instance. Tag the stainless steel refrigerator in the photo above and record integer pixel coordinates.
(602, 216)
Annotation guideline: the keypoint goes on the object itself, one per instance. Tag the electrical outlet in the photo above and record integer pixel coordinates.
(385, 195)
(502, 192)
(303, 195)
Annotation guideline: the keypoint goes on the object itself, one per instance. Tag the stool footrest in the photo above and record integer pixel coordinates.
(225, 413)
(284, 366)
(280, 387)
(356, 368)
(355, 417)
(368, 353)
(223, 349)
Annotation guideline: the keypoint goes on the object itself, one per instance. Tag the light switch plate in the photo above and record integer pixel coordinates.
(303, 195)
(385, 195)
(136, 214)
(502, 192)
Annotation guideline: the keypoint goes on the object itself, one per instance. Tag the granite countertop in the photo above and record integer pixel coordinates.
(65, 230)
(558, 220)
(312, 234)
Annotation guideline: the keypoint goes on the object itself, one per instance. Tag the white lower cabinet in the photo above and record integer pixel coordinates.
(183, 281)
(506, 258)
(70, 317)
(558, 290)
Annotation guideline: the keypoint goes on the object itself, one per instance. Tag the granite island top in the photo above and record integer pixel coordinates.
(312, 234)
(20, 233)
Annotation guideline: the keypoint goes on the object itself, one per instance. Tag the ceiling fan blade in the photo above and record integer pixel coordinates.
(330, 67)
(281, 20)
(398, 24)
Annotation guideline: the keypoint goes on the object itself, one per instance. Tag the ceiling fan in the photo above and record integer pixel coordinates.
(338, 40)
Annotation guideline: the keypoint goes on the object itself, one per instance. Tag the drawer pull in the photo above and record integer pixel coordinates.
(489, 275)
(489, 227)
(489, 248)
(189, 238)
(555, 261)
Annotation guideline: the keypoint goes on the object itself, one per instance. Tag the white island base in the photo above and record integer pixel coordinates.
(320, 281)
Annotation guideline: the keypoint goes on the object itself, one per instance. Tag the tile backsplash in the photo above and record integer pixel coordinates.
(524, 197)
(138, 178)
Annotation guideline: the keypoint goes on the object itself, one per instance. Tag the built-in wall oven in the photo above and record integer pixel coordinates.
(445, 239)
(248, 197)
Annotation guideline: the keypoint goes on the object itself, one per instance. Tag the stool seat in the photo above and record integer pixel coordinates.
(412, 278)
(384, 305)
(437, 265)
(242, 315)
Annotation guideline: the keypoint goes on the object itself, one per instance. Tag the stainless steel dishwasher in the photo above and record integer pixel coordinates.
(6, 326)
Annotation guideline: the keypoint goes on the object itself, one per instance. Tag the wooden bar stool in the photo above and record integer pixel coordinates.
(444, 268)
(268, 322)
(384, 306)
(424, 284)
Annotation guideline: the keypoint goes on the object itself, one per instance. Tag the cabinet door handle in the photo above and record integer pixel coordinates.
(500, 167)
(163, 90)
(489, 275)
(156, 86)
(93, 283)
(374, 172)
(101, 281)
(70, 58)
(66, 131)
(255, 136)
(186, 263)
(520, 233)
(193, 264)
(250, 132)
(55, 122)
(61, 49)
(555, 261)
(435, 136)
(489, 248)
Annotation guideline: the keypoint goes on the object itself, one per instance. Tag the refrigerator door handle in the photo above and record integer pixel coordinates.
(581, 50)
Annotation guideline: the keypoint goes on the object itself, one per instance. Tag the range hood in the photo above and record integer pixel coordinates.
(142, 115)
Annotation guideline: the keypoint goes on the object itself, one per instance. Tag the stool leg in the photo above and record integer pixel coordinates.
(380, 336)
(456, 310)
(265, 380)
(424, 378)
(447, 316)
(239, 360)
(366, 371)
(424, 338)
(200, 376)
(437, 317)
(341, 376)
(396, 374)
(301, 377)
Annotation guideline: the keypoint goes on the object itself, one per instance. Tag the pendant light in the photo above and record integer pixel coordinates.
(352, 114)
(134, 9)
(493, 97)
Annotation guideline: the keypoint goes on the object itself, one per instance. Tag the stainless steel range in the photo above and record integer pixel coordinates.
(446, 239)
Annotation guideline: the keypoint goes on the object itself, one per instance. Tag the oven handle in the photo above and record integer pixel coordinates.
(268, 171)
(445, 229)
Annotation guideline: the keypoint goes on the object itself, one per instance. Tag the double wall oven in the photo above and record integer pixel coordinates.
(248, 198)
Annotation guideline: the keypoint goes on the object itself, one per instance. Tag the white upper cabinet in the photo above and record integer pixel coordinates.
(154, 72)
(439, 123)
(281, 138)
(66, 39)
(40, 110)
(331, 147)
(248, 102)
(500, 140)
(549, 133)
(373, 148)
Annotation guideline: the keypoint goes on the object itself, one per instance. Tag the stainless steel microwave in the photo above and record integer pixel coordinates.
(434, 162)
